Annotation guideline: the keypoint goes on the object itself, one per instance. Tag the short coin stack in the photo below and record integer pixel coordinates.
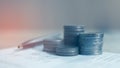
(51, 44)
(90, 43)
(67, 50)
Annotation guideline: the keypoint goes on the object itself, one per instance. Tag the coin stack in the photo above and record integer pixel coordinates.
(67, 50)
(70, 46)
(71, 34)
(51, 44)
(90, 43)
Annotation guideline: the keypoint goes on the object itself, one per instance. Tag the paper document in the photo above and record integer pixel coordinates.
(36, 58)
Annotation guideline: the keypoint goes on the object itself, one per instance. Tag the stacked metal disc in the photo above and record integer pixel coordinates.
(71, 34)
(51, 44)
(70, 46)
(67, 50)
(90, 43)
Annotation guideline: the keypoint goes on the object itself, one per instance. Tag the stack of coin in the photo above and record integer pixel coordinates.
(71, 34)
(51, 44)
(70, 46)
(67, 50)
(91, 43)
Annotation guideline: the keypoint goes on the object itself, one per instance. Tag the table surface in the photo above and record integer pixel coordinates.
(14, 38)
(36, 58)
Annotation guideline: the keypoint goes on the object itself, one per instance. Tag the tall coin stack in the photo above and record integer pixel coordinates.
(71, 34)
(90, 43)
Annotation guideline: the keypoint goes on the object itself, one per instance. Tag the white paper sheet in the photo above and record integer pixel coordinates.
(36, 58)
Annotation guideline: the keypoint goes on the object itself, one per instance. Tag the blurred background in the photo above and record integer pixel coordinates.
(21, 20)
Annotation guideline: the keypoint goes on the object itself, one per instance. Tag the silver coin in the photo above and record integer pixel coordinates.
(93, 35)
(71, 26)
(97, 52)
